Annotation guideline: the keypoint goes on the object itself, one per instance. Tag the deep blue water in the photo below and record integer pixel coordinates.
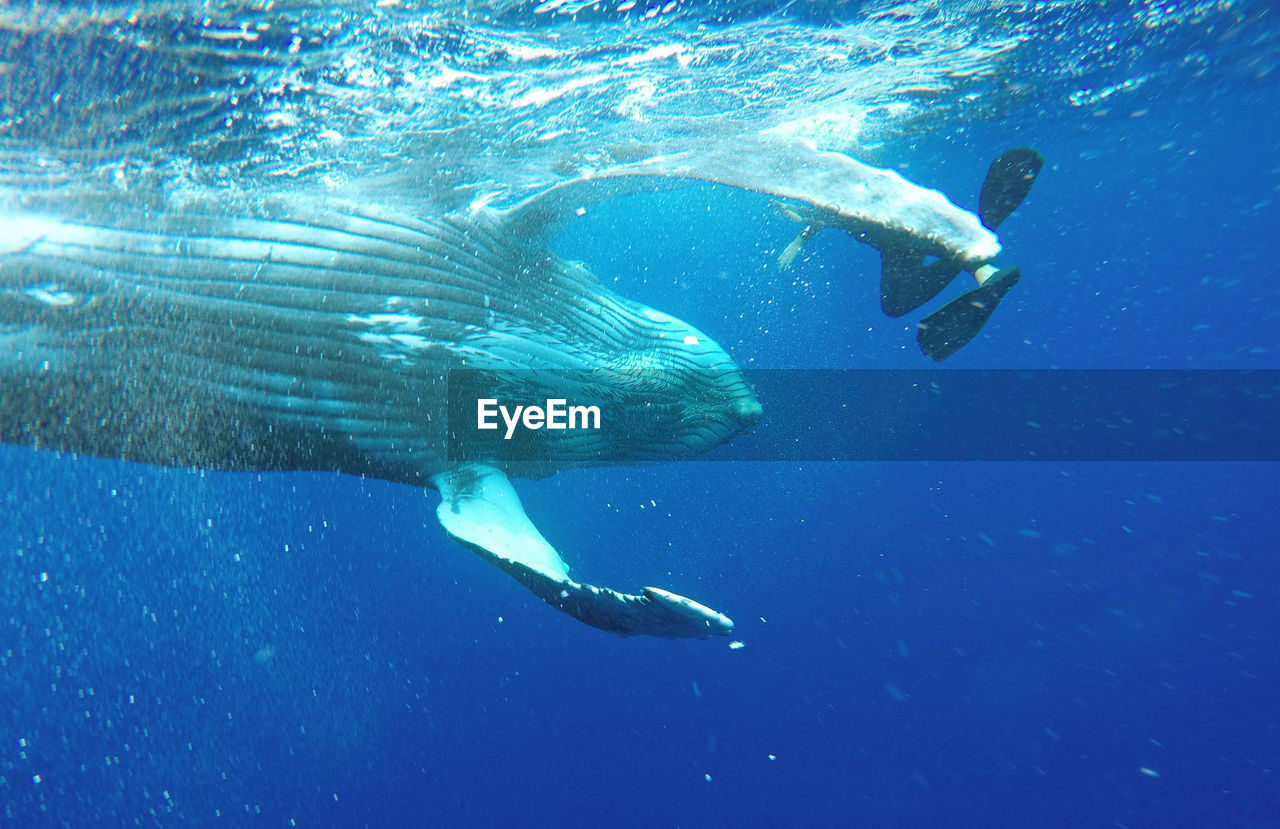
(925, 644)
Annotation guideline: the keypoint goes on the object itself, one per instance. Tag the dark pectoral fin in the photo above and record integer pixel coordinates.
(947, 330)
(907, 281)
(1008, 182)
(654, 612)
(480, 508)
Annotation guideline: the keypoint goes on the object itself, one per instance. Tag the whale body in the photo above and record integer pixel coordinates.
(289, 333)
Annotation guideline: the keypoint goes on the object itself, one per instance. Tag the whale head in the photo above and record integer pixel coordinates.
(685, 394)
(644, 387)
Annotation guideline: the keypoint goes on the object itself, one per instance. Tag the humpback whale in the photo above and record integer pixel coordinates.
(293, 334)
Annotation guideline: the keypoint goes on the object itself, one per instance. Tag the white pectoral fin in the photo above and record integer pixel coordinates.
(480, 508)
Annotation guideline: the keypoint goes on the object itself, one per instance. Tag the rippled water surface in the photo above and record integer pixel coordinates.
(455, 102)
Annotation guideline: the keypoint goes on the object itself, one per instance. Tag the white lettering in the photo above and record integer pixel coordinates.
(512, 420)
(582, 411)
(555, 412)
(485, 412)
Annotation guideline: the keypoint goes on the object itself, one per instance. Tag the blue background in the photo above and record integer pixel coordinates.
(925, 643)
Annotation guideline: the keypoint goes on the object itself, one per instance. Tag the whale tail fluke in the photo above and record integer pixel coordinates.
(951, 327)
(1008, 182)
(908, 279)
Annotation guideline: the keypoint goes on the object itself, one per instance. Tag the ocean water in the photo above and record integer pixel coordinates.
(923, 644)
